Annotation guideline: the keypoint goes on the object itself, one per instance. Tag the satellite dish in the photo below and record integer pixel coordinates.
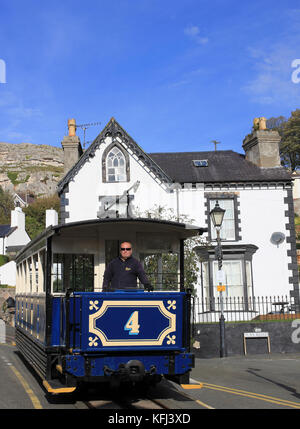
(277, 238)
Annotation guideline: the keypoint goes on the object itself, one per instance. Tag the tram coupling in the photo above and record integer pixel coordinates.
(133, 371)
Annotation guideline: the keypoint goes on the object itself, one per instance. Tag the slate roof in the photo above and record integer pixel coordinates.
(223, 166)
(6, 230)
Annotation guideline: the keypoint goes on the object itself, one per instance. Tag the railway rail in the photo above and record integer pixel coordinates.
(139, 404)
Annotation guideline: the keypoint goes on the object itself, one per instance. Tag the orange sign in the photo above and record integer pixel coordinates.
(221, 288)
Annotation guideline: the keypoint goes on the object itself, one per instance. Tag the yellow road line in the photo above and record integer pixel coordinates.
(204, 405)
(259, 396)
(28, 390)
(197, 385)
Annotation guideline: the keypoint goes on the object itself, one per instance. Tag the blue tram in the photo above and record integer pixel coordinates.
(71, 331)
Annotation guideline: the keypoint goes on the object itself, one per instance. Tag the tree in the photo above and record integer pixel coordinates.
(289, 130)
(277, 124)
(290, 144)
(36, 214)
(6, 206)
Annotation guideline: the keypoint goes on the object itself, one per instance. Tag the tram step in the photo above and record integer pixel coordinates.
(56, 387)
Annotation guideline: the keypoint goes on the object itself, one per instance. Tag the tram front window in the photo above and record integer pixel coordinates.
(73, 271)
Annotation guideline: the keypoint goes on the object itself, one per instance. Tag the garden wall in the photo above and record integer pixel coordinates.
(284, 338)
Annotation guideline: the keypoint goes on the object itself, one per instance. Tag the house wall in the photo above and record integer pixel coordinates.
(8, 274)
(87, 187)
(18, 237)
(2, 245)
(262, 211)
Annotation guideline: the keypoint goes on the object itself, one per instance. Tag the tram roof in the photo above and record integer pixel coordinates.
(181, 230)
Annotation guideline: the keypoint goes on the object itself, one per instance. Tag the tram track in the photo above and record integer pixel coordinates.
(122, 404)
(165, 396)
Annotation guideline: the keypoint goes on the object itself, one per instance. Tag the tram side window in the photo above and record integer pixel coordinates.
(73, 271)
(56, 274)
(162, 270)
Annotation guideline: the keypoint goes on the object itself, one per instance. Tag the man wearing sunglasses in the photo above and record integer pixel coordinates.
(123, 271)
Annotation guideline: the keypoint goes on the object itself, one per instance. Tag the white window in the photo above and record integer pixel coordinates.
(233, 278)
(249, 279)
(115, 166)
(227, 231)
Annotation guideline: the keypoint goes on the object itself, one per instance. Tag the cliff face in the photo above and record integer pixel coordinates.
(27, 168)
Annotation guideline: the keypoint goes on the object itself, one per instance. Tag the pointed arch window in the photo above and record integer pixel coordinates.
(116, 165)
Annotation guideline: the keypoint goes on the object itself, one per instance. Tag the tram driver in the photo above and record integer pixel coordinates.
(122, 272)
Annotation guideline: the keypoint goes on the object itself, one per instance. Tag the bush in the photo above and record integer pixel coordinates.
(3, 259)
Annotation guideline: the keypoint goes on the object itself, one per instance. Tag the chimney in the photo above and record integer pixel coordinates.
(262, 145)
(17, 218)
(71, 146)
(51, 217)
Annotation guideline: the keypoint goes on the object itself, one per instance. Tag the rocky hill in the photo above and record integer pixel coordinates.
(27, 168)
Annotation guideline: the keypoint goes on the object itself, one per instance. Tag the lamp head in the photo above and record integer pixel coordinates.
(217, 215)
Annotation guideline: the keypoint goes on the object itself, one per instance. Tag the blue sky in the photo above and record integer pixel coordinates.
(175, 74)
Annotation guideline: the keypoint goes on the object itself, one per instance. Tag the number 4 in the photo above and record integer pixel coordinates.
(132, 324)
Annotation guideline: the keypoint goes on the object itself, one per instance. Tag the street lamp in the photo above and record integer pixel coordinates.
(217, 216)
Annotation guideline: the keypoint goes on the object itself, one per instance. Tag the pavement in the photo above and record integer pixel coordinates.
(252, 381)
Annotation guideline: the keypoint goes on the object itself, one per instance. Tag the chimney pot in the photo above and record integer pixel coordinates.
(72, 127)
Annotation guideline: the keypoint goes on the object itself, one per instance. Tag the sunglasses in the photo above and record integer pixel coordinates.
(125, 248)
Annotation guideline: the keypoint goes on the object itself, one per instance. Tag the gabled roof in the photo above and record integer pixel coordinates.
(222, 166)
(6, 230)
(114, 129)
(178, 167)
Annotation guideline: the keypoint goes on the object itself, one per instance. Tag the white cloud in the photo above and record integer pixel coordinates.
(272, 77)
(193, 31)
(178, 83)
(14, 115)
(271, 62)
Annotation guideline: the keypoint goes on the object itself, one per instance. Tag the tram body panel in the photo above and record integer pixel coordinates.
(30, 315)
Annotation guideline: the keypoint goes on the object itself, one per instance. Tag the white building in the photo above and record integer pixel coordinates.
(12, 238)
(115, 177)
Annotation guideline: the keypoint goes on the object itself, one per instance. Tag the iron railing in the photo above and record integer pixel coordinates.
(240, 309)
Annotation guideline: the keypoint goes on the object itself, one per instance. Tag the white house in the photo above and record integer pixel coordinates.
(115, 177)
(12, 238)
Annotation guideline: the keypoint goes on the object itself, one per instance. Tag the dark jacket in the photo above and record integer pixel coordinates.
(121, 274)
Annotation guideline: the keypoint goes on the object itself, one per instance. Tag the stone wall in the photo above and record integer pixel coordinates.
(284, 338)
(4, 294)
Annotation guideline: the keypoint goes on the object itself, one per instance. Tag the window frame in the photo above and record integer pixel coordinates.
(243, 253)
(219, 197)
(105, 167)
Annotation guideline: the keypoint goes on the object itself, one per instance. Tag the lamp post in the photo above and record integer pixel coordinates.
(217, 215)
